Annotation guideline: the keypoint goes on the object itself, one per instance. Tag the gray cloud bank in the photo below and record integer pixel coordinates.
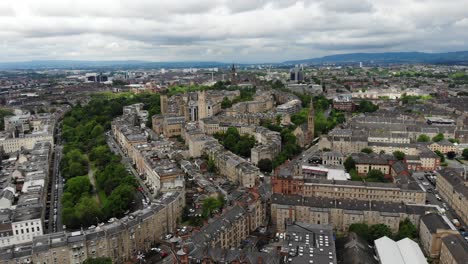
(239, 30)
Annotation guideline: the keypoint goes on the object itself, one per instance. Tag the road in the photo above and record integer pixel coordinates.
(430, 196)
(55, 189)
(115, 148)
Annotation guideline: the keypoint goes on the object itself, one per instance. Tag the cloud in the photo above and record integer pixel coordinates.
(239, 31)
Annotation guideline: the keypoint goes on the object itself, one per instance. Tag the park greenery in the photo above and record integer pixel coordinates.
(370, 233)
(235, 142)
(87, 159)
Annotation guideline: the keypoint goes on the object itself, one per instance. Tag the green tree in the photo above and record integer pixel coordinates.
(349, 164)
(211, 165)
(454, 140)
(367, 107)
(361, 229)
(211, 204)
(407, 229)
(226, 103)
(320, 123)
(78, 186)
(265, 165)
(69, 217)
(424, 138)
(376, 176)
(465, 153)
(119, 200)
(367, 150)
(441, 155)
(88, 212)
(379, 230)
(300, 117)
(438, 137)
(451, 155)
(399, 155)
(100, 260)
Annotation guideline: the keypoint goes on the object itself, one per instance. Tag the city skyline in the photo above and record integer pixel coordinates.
(237, 31)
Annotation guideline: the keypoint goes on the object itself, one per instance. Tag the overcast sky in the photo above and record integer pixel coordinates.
(226, 30)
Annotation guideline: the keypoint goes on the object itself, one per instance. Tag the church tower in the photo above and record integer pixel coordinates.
(202, 104)
(233, 75)
(310, 123)
(163, 103)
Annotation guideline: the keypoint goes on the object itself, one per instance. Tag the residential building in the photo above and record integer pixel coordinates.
(432, 229)
(443, 146)
(454, 250)
(340, 213)
(452, 187)
(121, 240)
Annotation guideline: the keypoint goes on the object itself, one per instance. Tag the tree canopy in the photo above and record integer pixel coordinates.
(367, 107)
(85, 150)
(233, 141)
(349, 164)
(211, 204)
(465, 153)
(399, 155)
(438, 137)
(423, 138)
(406, 229)
(375, 176)
(265, 165)
(367, 150)
(441, 155)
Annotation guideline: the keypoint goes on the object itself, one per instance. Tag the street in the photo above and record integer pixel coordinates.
(53, 221)
(431, 192)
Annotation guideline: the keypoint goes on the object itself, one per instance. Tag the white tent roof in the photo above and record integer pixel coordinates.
(411, 252)
(405, 251)
(388, 251)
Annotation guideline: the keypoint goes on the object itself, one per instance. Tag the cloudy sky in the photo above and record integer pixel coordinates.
(226, 30)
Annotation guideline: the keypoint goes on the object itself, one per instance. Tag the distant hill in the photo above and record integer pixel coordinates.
(76, 64)
(389, 57)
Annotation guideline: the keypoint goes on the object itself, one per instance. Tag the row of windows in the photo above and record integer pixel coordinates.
(37, 229)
